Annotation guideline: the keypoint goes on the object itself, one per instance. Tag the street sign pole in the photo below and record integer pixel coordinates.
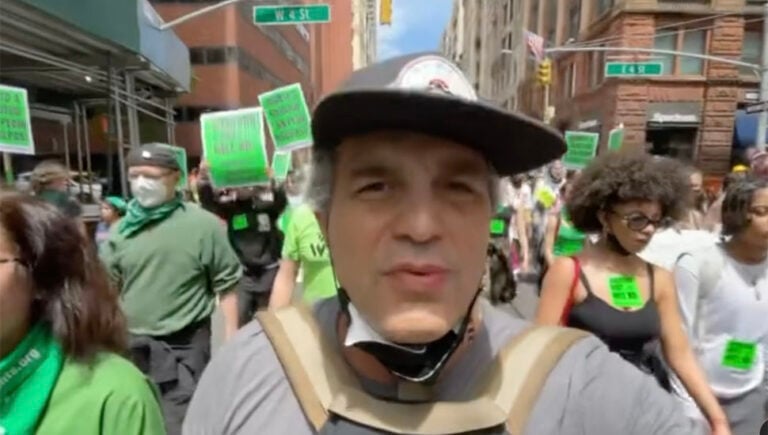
(762, 123)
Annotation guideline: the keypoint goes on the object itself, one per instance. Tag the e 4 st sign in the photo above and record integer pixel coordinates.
(276, 15)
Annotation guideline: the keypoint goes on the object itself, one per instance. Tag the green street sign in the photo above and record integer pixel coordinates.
(281, 164)
(288, 118)
(615, 139)
(276, 15)
(15, 124)
(234, 147)
(625, 69)
(181, 158)
(582, 148)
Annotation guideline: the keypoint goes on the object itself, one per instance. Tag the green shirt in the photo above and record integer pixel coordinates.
(304, 244)
(169, 273)
(109, 396)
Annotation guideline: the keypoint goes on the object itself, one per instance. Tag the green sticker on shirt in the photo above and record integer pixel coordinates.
(239, 222)
(740, 355)
(497, 227)
(625, 293)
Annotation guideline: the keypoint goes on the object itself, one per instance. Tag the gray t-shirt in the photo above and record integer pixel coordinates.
(591, 391)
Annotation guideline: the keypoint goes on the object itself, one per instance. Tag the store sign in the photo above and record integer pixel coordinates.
(674, 117)
(592, 123)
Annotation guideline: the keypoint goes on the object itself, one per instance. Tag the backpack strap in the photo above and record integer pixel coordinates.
(324, 384)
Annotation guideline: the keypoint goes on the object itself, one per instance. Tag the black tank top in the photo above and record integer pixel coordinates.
(632, 334)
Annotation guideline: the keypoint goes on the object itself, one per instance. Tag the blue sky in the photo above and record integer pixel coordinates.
(417, 25)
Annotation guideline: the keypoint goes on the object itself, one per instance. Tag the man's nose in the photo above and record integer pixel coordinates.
(419, 219)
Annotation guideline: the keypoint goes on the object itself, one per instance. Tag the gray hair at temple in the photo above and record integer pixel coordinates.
(320, 183)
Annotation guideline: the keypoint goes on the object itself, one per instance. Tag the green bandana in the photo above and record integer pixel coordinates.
(27, 377)
(137, 217)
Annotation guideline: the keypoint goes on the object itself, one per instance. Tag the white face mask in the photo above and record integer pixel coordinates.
(149, 192)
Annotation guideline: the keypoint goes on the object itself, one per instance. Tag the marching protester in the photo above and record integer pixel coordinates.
(693, 218)
(170, 260)
(609, 290)
(50, 183)
(304, 249)
(561, 238)
(405, 188)
(713, 219)
(252, 215)
(62, 333)
(112, 209)
(724, 301)
(517, 196)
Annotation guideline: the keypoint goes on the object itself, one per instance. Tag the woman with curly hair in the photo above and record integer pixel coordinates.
(609, 290)
(62, 333)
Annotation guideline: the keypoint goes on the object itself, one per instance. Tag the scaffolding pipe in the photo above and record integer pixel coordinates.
(120, 148)
(79, 145)
(88, 161)
(133, 120)
(94, 102)
(170, 125)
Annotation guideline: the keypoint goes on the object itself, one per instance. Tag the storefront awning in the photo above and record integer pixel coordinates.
(745, 129)
(90, 34)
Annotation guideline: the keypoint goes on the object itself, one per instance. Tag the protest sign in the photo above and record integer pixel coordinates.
(281, 164)
(616, 138)
(234, 148)
(582, 148)
(287, 116)
(15, 124)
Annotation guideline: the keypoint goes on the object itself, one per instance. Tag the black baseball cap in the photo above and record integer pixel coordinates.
(153, 154)
(427, 93)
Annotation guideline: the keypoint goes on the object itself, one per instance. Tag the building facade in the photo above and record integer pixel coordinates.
(688, 111)
(484, 39)
(332, 47)
(364, 25)
(234, 61)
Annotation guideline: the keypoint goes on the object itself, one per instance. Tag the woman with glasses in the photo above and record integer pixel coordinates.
(724, 300)
(62, 333)
(609, 290)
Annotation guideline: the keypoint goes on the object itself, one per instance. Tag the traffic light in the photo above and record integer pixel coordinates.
(385, 12)
(545, 72)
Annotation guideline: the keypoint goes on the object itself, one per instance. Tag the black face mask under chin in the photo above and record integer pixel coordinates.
(616, 246)
(418, 363)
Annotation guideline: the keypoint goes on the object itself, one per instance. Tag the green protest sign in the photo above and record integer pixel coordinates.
(234, 147)
(15, 124)
(287, 115)
(582, 147)
(181, 157)
(281, 164)
(616, 138)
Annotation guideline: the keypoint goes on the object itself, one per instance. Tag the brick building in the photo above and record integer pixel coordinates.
(688, 111)
(234, 61)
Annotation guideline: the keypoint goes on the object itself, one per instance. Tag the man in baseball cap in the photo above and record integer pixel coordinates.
(170, 260)
(404, 184)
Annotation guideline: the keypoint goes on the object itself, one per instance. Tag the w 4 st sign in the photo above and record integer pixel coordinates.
(276, 15)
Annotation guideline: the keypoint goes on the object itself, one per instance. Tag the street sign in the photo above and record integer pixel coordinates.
(624, 69)
(276, 15)
(757, 107)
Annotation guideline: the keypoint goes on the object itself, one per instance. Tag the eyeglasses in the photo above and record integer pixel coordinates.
(639, 221)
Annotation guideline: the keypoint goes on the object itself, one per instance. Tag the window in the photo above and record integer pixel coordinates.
(574, 19)
(693, 41)
(511, 16)
(570, 80)
(666, 42)
(602, 6)
(551, 14)
(597, 69)
(751, 51)
(533, 19)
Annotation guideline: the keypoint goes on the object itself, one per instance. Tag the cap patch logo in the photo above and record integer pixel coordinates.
(435, 74)
(146, 154)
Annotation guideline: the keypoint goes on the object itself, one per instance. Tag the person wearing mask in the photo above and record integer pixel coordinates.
(610, 291)
(50, 183)
(112, 210)
(170, 260)
(405, 198)
(252, 215)
(62, 333)
(724, 301)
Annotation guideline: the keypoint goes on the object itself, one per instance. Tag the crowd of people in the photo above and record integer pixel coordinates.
(351, 292)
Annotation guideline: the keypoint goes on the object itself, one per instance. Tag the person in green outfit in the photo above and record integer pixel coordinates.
(170, 260)
(561, 238)
(62, 333)
(304, 248)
